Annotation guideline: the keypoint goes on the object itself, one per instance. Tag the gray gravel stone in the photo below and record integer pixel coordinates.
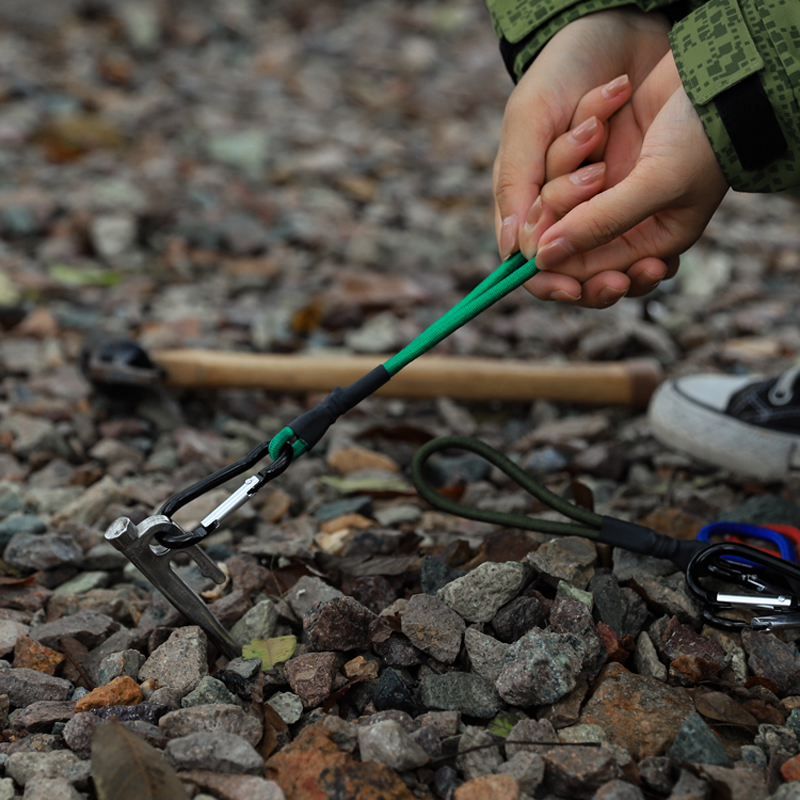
(618, 790)
(26, 686)
(540, 668)
(180, 662)
(526, 732)
(627, 565)
(567, 558)
(388, 743)
(210, 690)
(433, 627)
(288, 705)
(127, 662)
(527, 769)
(470, 694)
(29, 552)
(697, 743)
(481, 592)
(258, 623)
(578, 772)
(485, 653)
(78, 732)
(51, 789)
(670, 596)
(777, 740)
(65, 764)
(10, 631)
(646, 660)
(786, 791)
(211, 718)
(339, 625)
(217, 751)
(90, 628)
(622, 610)
(42, 715)
(308, 591)
(479, 753)
(7, 789)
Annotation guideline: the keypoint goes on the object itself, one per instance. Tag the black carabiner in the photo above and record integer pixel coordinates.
(772, 583)
(178, 541)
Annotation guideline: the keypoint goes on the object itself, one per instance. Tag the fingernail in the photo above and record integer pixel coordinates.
(553, 254)
(615, 87)
(584, 131)
(564, 297)
(508, 236)
(608, 295)
(534, 215)
(588, 174)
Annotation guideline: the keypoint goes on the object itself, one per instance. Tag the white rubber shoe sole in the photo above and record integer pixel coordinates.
(689, 414)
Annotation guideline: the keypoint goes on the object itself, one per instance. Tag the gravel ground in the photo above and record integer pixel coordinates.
(297, 176)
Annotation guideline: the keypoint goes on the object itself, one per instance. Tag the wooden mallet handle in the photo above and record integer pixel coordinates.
(608, 383)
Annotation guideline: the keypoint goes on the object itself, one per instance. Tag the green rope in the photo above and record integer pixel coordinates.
(511, 274)
(588, 523)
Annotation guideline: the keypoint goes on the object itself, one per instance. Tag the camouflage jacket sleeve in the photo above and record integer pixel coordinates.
(525, 26)
(740, 65)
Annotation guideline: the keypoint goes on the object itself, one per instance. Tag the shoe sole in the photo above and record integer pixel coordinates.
(716, 438)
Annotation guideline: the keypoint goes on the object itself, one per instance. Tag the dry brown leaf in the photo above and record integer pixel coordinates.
(720, 707)
(125, 767)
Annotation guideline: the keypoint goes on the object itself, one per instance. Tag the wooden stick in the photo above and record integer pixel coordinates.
(608, 383)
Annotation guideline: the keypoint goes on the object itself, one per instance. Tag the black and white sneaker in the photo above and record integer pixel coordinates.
(743, 424)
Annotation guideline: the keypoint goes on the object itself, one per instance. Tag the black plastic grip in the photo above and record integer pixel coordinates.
(647, 542)
(311, 426)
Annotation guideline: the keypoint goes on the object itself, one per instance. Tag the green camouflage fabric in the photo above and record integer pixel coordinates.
(718, 44)
(537, 21)
(725, 41)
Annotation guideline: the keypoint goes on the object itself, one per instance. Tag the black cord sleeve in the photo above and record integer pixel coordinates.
(311, 426)
(646, 541)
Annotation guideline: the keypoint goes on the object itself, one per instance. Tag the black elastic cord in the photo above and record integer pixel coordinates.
(750, 121)
(214, 480)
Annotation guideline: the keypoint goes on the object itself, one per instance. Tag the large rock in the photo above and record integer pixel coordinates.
(637, 712)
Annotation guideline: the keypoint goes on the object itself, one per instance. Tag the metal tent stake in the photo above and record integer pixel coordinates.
(137, 543)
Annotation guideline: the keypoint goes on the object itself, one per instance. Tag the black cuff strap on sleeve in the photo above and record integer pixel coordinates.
(751, 123)
(646, 541)
(311, 426)
(509, 53)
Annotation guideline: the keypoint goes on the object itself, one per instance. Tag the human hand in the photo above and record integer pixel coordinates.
(664, 184)
(594, 50)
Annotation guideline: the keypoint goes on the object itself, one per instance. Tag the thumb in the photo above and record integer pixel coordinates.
(604, 218)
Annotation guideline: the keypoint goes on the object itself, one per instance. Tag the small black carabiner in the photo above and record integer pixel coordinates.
(771, 583)
(182, 539)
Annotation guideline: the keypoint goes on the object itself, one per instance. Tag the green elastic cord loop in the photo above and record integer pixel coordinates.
(587, 523)
(508, 276)
(280, 439)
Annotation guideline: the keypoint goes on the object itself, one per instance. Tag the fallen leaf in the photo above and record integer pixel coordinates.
(77, 655)
(78, 276)
(721, 707)
(370, 485)
(274, 729)
(125, 767)
(582, 495)
(270, 651)
(502, 724)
